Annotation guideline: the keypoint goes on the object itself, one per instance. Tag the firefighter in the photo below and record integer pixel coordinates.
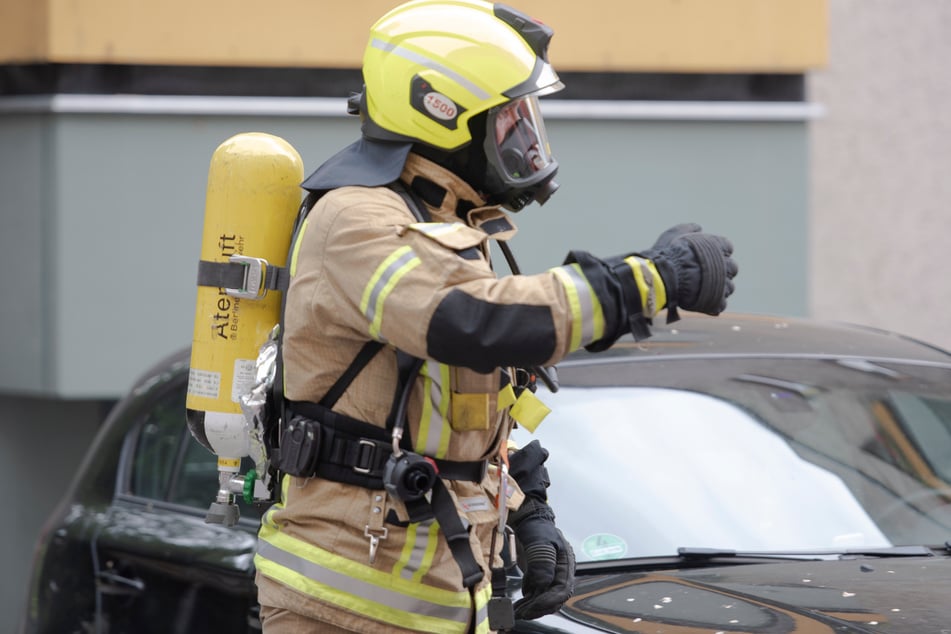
(399, 335)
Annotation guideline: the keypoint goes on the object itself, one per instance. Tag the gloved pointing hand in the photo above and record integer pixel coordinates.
(696, 269)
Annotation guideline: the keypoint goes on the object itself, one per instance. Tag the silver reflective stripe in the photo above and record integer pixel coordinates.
(341, 582)
(381, 285)
(482, 613)
(435, 426)
(412, 56)
(585, 303)
(437, 228)
(651, 300)
(417, 558)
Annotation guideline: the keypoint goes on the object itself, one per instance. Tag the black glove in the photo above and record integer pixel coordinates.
(546, 557)
(696, 268)
(544, 554)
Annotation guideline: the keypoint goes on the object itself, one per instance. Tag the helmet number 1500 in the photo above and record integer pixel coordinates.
(440, 106)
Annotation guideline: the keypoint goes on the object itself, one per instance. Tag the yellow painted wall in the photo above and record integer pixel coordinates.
(618, 35)
(23, 29)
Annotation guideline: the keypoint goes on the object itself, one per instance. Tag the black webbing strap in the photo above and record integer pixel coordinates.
(277, 401)
(348, 445)
(349, 450)
(457, 537)
(234, 275)
(366, 353)
(412, 201)
(442, 507)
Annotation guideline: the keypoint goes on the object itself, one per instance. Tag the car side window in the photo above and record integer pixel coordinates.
(159, 442)
(196, 481)
(170, 465)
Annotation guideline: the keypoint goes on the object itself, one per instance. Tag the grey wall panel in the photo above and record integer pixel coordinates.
(121, 242)
(622, 183)
(24, 189)
(128, 232)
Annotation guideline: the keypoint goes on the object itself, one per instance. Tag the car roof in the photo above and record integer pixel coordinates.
(729, 335)
(756, 335)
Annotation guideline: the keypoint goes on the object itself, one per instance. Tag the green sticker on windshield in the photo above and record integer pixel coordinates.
(604, 546)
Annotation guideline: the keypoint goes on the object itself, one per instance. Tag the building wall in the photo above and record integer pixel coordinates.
(881, 159)
(652, 35)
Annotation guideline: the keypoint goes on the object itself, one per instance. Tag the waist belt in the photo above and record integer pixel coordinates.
(317, 441)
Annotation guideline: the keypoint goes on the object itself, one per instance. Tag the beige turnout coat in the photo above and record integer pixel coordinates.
(363, 267)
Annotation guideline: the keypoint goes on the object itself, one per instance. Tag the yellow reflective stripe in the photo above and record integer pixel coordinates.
(574, 304)
(660, 290)
(586, 313)
(445, 400)
(437, 228)
(297, 243)
(360, 588)
(418, 551)
(482, 613)
(426, 413)
(649, 284)
(419, 57)
(384, 279)
(434, 430)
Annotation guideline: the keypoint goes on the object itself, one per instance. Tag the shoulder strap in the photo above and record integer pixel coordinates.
(366, 353)
(412, 201)
(277, 388)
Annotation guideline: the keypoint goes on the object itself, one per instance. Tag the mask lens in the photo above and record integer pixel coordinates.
(520, 138)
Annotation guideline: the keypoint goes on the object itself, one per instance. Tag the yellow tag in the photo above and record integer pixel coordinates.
(529, 411)
(229, 463)
(506, 397)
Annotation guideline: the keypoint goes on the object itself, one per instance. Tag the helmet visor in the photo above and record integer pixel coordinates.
(520, 142)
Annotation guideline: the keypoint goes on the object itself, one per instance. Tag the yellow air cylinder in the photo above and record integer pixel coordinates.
(251, 205)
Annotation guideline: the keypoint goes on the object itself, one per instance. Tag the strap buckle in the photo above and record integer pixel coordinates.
(365, 455)
(255, 277)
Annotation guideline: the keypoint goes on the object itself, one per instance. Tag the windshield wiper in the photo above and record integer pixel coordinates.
(886, 551)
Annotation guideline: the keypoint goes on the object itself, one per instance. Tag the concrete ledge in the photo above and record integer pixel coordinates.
(336, 107)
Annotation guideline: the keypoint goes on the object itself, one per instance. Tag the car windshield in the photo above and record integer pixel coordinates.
(752, 460)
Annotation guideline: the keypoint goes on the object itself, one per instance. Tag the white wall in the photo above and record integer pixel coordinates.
(881, 168)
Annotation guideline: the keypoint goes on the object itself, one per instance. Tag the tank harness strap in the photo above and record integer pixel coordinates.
(352, 451)
(457, 537)
(364, 356)
(243, 276)
(412, 201)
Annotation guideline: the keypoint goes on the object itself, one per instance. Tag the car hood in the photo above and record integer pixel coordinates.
(906, 595)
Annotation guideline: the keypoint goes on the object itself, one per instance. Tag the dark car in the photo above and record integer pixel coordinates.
(738, 474)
